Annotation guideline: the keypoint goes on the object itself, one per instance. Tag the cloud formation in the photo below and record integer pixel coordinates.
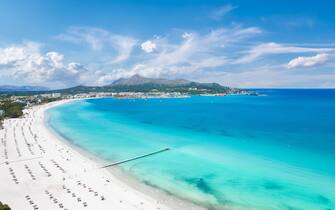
(271, 48)
(308, 61)
(194, 53)
(99, 39)
(222, 11)
(229, 53)
(148, 46)
(27, 63)
(264, 76)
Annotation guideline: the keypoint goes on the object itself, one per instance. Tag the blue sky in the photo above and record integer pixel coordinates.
(250, 43)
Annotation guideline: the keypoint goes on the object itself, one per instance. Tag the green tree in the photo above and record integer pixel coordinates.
(12, 109)
(4, 206)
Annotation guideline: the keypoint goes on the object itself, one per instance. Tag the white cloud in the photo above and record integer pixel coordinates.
(15, 53)
(212, 56)
(195, 53)
(93, 37)
(308, 61)
(148, 46)
(99, 39)
(27, 63)
(55, 58)
(275, 48)
(186, 35)
(124, 46)
(265, 77)
(222, 11)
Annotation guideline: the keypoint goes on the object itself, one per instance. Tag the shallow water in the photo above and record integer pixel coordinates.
(242, 152)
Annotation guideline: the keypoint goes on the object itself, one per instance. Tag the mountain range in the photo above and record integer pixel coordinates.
(139, 83)
(15, 88)
(139, 80)
(135, 83)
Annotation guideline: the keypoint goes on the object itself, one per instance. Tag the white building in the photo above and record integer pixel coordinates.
(56, 95)
(51, 95)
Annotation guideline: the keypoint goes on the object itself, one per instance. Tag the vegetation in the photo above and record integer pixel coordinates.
(4, 206)
(1, 123)
(11, 109)
(192, 88)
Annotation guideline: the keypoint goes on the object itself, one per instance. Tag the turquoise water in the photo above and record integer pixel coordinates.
(237, 152)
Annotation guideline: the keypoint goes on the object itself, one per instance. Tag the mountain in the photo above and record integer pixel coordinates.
(135, 83)
(139, 80)
(138, 83)
(15, 88)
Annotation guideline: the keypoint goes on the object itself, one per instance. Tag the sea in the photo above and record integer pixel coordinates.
(273, 151)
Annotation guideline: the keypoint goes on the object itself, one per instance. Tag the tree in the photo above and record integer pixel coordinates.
(12, 109)
(4, 206)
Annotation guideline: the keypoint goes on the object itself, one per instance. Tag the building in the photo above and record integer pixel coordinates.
(56, 95)
(51, 95)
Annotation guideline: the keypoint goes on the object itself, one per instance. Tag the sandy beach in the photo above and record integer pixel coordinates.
(38, 170)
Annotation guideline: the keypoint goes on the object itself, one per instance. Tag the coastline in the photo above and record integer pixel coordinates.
(137, 195)
(171, 201)
(166, 198)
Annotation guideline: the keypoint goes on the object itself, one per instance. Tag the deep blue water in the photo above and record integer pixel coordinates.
(245, 152)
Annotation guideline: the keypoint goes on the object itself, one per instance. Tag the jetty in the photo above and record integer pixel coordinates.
(135, 158)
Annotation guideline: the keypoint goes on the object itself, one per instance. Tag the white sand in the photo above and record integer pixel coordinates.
(32, 152)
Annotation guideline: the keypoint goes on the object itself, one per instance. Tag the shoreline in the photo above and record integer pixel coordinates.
(170, 200)
(79, 165)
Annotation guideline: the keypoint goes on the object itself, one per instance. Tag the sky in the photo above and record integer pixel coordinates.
(239, 43)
